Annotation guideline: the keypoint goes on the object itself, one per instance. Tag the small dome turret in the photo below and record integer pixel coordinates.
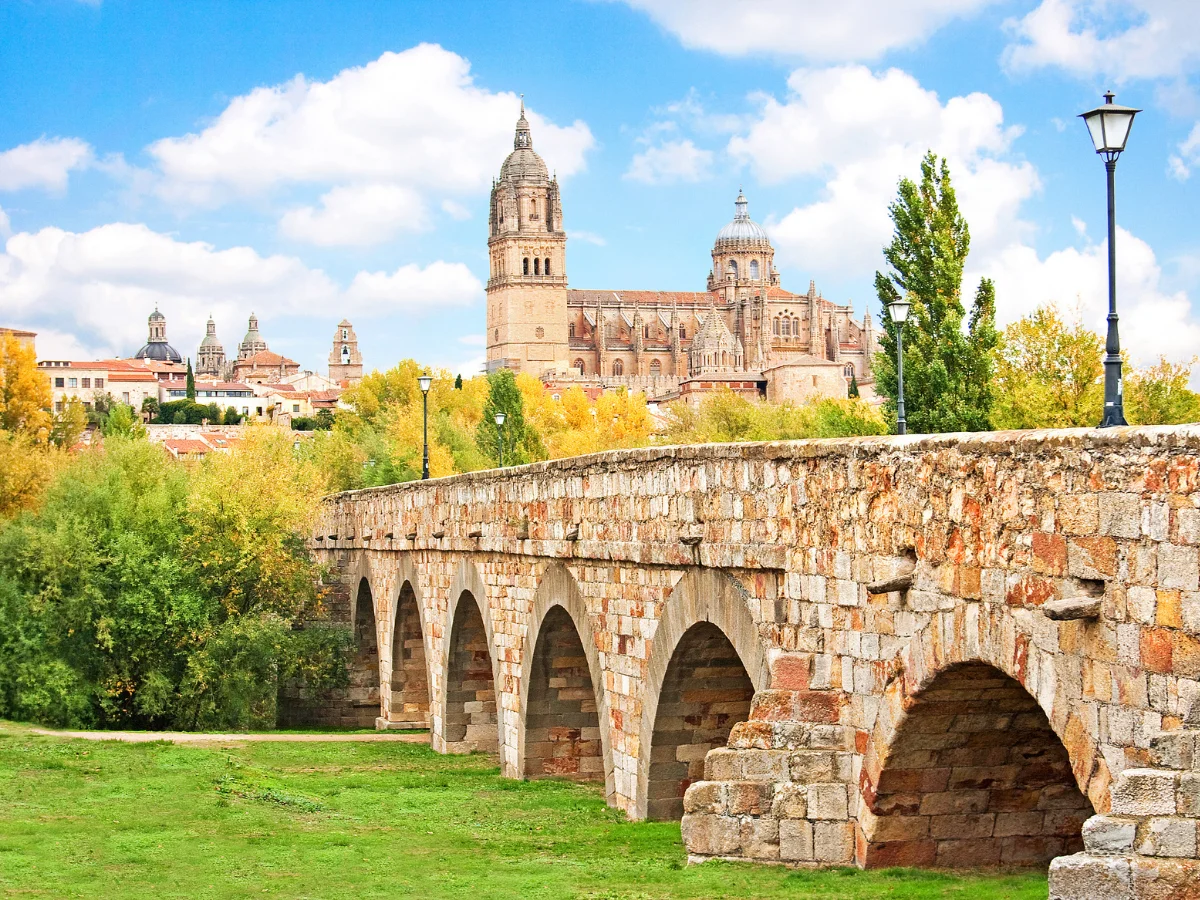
(524, 164)
(743, 232)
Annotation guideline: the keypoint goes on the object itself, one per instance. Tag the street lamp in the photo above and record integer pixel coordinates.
(898, 310)
(500, 436)
(1109, 127)
(425, 381)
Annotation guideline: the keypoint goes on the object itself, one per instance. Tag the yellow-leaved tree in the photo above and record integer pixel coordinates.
(25, 396)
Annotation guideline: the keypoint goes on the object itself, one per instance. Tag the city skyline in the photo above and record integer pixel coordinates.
(310, 166)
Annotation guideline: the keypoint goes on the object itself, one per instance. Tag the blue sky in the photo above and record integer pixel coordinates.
(310, 161)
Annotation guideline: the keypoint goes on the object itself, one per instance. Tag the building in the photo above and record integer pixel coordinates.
(156, 346)
(345, 362)
(104, 381)
(223, 393)
(24, 338)
(263, 366)
(253, 342)
(752, 334)
(210, 356)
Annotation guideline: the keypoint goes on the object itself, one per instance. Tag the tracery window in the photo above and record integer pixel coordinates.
(618, 367)
(525, 265)
(754, 270)
(546, 267)
(787, 328)
(655, 367)
(578, 364)
(537, 266)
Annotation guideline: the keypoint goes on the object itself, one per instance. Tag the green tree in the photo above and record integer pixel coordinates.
(122, 421)
(69, 423)
(1159, 394)
(947, 371)
(853, 389)
(231, 417)
(458, 382)
(191, 381)
(150, 407)
(521, 443)
(1048, 373)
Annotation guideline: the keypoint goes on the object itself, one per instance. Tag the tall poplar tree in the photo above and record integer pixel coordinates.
(190, 383)
(947, 369)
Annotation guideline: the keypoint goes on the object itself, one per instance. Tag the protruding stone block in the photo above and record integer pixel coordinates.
(1085, 877)
(1167, 836)
(1144, 792)
(827, 801)
(1109, 835)
(709, 835)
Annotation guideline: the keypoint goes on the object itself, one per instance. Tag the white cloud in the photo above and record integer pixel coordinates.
(861, 132)
(456, 210)
(5, 224)
(587, 237)
(414, 118)
(1122, 39)
(670, 162)
(473, 340)
(360, 215)
(1154, 321)
(1180, 165)
(101, 284)
(43, 163)
(836, 32)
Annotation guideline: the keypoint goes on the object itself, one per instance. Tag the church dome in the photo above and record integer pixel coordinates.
(523, 164)
(210, 336)
(160, 351)
(742, 231)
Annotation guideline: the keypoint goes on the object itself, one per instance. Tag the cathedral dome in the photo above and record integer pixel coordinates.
(160, 351)
(742, 231)
(210, 336)
(523, 164)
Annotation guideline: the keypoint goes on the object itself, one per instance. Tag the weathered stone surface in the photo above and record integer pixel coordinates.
(1109, 835)
(1084, 877)
(969, 706)
(1167, 836)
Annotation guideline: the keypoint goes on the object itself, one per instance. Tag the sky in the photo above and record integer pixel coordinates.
(309, 161)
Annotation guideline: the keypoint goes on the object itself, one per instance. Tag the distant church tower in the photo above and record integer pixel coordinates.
(253, 341)
(210, 358)
(527, 282)
(345, 362)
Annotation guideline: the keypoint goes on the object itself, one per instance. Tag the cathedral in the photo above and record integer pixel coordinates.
(744, 331)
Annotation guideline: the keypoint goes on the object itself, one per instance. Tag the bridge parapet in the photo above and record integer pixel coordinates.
(939, 650)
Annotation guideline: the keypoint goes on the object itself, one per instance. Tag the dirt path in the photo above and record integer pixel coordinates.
(186, 737)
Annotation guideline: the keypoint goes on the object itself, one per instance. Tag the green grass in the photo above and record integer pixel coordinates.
(360, 820)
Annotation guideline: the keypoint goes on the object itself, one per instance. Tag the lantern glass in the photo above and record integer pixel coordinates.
(500, 417)
(425, 381)
(899, 310)
(1109, 125)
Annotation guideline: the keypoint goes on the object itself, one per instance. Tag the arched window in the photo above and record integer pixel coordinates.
(848, 371)
(655, 367)
(537, 266)
(682, 333)
(618, 367)
(724, 358)
(754, 270)
(796, 327)
(525, 265)
(733, 265)
(775, 325)
(578, 364)
(787, 328)
(546, 267)
(646, 332)
(571, 330)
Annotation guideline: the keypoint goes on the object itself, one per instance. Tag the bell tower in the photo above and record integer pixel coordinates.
(527, 278)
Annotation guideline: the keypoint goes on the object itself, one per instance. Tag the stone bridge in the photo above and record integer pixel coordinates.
(962, 650)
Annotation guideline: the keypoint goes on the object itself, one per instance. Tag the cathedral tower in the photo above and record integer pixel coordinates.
(527, 280)
(345, 362)
(210, 358)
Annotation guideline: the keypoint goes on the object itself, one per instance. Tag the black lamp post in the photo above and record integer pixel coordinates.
(500, 436)
(425, 381)
(1109, 127)
(898, 310)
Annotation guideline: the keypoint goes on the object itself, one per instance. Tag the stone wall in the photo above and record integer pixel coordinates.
(861, 584)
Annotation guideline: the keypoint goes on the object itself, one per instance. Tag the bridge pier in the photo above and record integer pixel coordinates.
(932, 651)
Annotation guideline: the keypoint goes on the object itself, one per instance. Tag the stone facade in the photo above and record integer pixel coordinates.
(345, 360)
(951, 650)
(788, 346)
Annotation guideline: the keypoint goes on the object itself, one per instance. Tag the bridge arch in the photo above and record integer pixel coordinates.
(365, 672)
(956, 694)
(470, 692)
(558, 593)
(409, 697)
(701, 597)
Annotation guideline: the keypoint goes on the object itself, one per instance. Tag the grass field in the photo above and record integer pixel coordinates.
(323, 820)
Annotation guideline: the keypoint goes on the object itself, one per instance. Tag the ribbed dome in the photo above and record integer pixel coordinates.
(210, 336)
(159, 350)
(743, 230)
(523, 163)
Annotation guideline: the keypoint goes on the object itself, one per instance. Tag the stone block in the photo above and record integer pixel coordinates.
(1159, 878)
(1187, 795)
(1092, 557)
(1144, 792)
(1109, 835)
(763, 765)
(1172, 749)
(790, 801)
(1177, 568)
(748, 798)
(752, 735)
(721, 765)
(827, 801)
(796, 840)
(809, 766)
(1079, 514)
(790, 673)
(1187, 525)
(1121, 515)
(709, 835)
(833, 842)
(705, 797)
(978, 825)
(1085, 877)
(1009, 824)
(1049, 554)
(1167, 836)
(760, 838)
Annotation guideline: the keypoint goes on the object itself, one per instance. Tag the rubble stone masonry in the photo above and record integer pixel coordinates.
(960, 650)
